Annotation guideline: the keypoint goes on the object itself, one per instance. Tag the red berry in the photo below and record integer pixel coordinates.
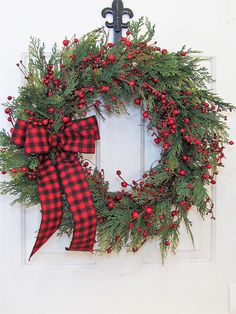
(124, 184)
(118, 196)
(127, 43)
(166, 146)
(110, 205)
(3, 172)
(130, 56)
(9, 98)
(174, 213)
(65, 119)
(187, 138)
(118, 238)
(50, 93)
(183, 53)
(66, 42)
(135, 214)
(76, 40)
(157, 140)
(213, 181)
(139, 230)
(111, 57)
(73, 56)
(8, 110)
(171, 121)
(231, 142)
(161, 217)
(137, 101)
(132, 83)
(109, 250)
(166, 169)
(45, 122)
(205, 176)
(56, 82)
(190, 186)
(51, 110)
(167, 243)
(118, 172)
(146, 114)
(164, 51)
(182, 172)
(128, 33)
(105, 88)
(149, 210)
(24, 169)
(175, 112)
(13, 170)
(81, 95)
(130, 225)
(145, 233)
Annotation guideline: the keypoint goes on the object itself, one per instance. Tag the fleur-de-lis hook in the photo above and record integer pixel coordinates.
(117, 10)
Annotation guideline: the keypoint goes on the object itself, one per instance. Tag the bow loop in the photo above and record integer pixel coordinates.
(37, 141)
(77, 137)
(80, 136)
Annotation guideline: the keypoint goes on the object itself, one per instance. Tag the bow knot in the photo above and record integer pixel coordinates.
(54, 139)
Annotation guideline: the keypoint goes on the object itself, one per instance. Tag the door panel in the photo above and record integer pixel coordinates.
(199, 280)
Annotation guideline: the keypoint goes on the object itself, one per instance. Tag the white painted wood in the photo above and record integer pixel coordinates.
(121, 147)
(59, 282)
(232, 292)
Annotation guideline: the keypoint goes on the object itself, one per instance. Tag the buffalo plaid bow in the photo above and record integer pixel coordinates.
(66, 173)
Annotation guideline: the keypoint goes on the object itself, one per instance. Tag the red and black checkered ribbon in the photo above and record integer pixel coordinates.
(65, 174)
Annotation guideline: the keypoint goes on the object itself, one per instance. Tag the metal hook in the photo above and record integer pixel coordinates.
(117, 11)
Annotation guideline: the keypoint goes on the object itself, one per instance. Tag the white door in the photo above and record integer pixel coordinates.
(59, 282)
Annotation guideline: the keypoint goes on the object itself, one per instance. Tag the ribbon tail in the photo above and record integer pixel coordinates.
(51, 204)
(80, 201)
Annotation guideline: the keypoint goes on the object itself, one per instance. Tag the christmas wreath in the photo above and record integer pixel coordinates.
(52, 127)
